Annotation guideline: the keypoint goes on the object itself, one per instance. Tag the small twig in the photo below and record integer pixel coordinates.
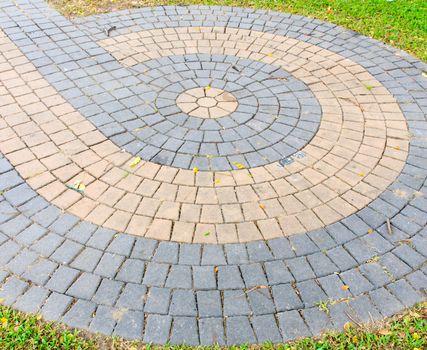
(353, 102)
(251, 290)
(109, 30)
(353, 319)
(278, 78)
(390, 232)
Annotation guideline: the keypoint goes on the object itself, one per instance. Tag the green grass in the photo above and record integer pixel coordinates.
(403, 332)
(401, 23)
(19, 331)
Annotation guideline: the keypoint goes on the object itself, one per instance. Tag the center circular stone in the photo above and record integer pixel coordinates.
(207, 102)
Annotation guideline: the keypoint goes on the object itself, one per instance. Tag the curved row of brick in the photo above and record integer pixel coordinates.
(112, 283)
(355, 155)
(277, 289)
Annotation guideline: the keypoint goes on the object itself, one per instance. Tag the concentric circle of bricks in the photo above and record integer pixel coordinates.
(296, 192)
(207, 102)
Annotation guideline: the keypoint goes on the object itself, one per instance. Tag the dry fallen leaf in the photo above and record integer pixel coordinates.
(370, 231)
(262, 205)
(216, 269)
(384, 332)
(344, 287)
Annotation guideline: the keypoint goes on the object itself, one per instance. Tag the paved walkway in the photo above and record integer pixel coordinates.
(208, 174)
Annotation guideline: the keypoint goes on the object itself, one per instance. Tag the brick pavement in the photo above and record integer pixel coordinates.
(208, 174)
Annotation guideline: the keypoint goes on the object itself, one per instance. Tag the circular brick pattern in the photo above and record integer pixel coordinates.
(358, 150)
(207, 102)
(239, 255)
(275, 116)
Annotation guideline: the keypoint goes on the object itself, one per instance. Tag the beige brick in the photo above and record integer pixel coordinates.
(183, 232)
(247, 231)
(290, 225)
(148, 206)
(309, 220)
(160, 229)
(138, 225)
(326, 214)
(118, 221)
(100, 214)
(226, 233)
(186, 194)
(83, 207)
(205, 233)
(269, 228)
(190, 212)
(168, 210)
(129, 202)
(211, 214)
(253, 211)
(206, 195)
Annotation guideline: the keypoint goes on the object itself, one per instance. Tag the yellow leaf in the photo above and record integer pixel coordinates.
(370, 231)
(195, 170)
(262, 205)
(416, 336)
(216, 269)
(361, 174)
(78, 185)
(135, 162)
(344, 287)
(3, 320)
(38, 317)
(354, 339)
(207, 87)
(238, 165)
(347, 326)
(217, 181)
(397, 148)
(269, 54)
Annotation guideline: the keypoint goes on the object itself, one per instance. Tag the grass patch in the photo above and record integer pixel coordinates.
(19, 331)
(401, 23)
(406, 331)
